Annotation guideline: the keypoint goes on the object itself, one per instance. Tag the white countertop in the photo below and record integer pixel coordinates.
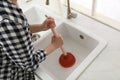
(106, 66)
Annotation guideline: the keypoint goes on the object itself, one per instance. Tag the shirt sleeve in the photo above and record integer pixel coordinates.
(38, 57)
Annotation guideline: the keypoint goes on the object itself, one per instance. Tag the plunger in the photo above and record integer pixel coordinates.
(66, 60)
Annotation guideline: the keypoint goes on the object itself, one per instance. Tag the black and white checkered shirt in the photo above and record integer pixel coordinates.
(17, 58)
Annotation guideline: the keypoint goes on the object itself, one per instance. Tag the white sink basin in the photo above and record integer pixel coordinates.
(36, 14)
(84, 45)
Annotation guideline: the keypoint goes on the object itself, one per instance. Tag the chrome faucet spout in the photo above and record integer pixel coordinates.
(47, 2)
(69, 13)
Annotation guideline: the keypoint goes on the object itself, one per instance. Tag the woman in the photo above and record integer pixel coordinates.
(18, 61)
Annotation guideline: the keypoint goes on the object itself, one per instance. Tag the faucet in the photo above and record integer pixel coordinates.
(27, 1)
(69, 13)
(47, 2)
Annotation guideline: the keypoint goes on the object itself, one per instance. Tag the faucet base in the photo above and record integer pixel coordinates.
(71, 15)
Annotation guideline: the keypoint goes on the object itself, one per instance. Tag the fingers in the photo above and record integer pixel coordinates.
(58, 38)
(50, 22)
(49, 17)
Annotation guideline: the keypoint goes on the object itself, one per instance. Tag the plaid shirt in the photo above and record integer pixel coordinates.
(17, 58)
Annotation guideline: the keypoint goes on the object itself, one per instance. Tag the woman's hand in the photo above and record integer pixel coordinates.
(56, 42)
(14, 2)
(47, 24)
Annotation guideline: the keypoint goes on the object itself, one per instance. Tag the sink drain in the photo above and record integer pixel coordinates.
(81, 36)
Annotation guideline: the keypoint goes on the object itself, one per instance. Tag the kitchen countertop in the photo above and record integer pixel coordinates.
(106, 66)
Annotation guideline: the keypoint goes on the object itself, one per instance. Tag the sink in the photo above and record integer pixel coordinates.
(36, 14)
(33, 15)
(83, 44)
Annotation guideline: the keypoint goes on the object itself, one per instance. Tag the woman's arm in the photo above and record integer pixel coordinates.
(40, 55)
(47, 24)
(35, 28)
(56, 42)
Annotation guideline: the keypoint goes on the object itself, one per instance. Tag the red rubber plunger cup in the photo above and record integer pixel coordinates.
(67, 60)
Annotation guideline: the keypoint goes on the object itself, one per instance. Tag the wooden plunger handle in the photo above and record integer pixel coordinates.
(62, 48)
(54, 32)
